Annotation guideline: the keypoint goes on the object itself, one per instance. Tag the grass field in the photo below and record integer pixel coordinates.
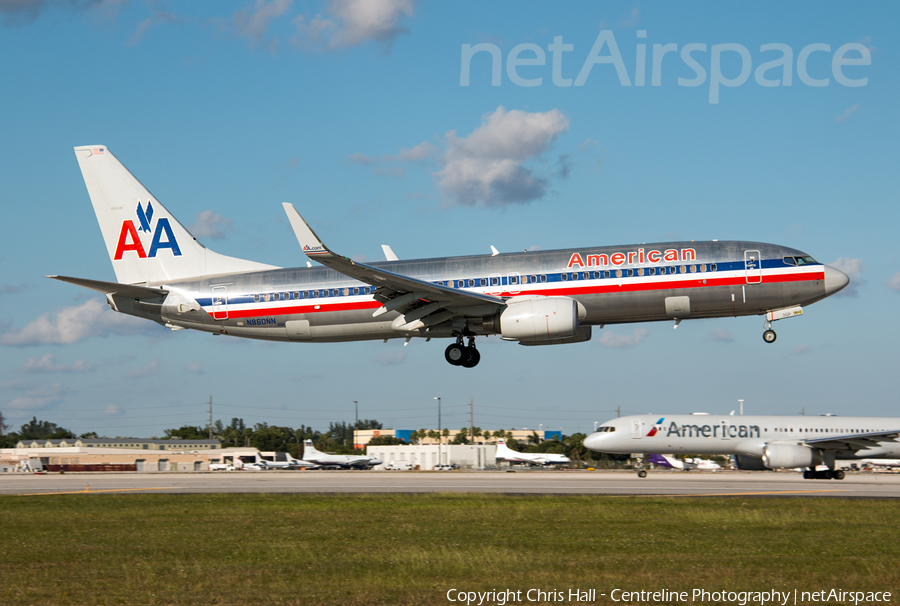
(410, 549)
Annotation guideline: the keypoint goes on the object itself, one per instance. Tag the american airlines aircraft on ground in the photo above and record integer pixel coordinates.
(758, 442)
(323, 459)
(505, 453)
(535, 298)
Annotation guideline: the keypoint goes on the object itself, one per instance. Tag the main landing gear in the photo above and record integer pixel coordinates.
(463, 355)
(828, 474)
(769, 335)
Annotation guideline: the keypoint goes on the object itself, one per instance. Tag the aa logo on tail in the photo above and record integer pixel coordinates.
(162, 235)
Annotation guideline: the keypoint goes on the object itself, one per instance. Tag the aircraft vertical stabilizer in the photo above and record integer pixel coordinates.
(146, 244)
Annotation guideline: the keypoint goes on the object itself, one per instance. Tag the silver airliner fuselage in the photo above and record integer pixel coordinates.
(715, 279)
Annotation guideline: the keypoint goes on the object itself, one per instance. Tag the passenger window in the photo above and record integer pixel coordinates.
(693, 269)
(513, 280)
(713, 267)
(296, 294)
(533, 279)
(471, 283)
(346, 291)
(703, 267)
(640, 271)
(683, 269)
(586, 276)
(543, 277)
(618, 273)
(483, 282)
(266, 297)
(564, 277)
(355, 291)
(256, 298)
(606, 274)
(630, 273)
(495, 281)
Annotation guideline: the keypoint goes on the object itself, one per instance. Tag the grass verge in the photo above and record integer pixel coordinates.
(230, 549)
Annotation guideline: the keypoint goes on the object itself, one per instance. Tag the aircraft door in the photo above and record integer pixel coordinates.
(514, 281)
(219, 303)
(753, 266)
(496, 284)
(636, 428)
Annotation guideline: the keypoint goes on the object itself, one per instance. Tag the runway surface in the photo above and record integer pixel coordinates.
(788, 484)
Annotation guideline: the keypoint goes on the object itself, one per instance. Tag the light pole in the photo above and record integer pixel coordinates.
(440, 437)
(595, 426)
(356, 425)
(540, 432)
(742, 407)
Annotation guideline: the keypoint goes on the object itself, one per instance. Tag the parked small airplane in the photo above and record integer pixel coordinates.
(534, 298)
(505, 453)
(323, 459)
(757, 442)
(886, 463)
(683, 464)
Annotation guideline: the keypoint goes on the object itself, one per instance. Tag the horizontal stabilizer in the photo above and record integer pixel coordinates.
(113, 288)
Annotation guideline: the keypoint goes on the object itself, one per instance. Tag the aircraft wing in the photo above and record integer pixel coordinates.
(403, 285)
(130, 291)
(859, 441)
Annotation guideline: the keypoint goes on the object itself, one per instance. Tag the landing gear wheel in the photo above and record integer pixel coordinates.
(455, 354)
(642, 474)
(769, 336)
(471, 357)
(838, 474)
(809, 474)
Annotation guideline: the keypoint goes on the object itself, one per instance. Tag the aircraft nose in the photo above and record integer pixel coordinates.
(593, 441)
(835, 280)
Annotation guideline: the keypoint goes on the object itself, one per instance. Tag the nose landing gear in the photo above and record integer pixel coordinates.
(463, 355)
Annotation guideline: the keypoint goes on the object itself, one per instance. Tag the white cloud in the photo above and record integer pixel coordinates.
(254, 20)
(422, 152)
(47, 363)
(854, 269)
(159, 17)
(389, 358)
(72, 324)
(195, 368)
(22, 12)
(894, 283)
(354, 22)
(210, 225)
(143, 371)
(35, 396)
(846, 115)
(113, 410)
(617, 341)
(721, 335)
(11, 289)
(487, 168)
(632, 18)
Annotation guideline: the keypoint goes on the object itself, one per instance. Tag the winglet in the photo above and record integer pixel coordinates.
(307, 238)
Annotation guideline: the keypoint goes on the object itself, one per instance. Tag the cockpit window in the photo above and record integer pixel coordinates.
(805, 260)
(789, 261)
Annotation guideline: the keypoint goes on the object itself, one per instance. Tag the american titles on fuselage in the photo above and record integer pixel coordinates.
(631, 258)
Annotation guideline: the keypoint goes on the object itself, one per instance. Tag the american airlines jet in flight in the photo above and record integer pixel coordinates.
(534, 298)
(757, 442)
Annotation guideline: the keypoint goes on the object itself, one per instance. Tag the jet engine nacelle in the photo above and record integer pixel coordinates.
(540, 319)
(781, 456)
(749, 463)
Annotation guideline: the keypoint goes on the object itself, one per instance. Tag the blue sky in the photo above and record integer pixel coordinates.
(354, 112)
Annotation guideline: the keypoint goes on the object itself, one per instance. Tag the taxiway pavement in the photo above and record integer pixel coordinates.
(787, 484)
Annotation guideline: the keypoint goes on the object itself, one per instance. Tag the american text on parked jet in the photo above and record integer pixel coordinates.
(757, 442)
(535, 298)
